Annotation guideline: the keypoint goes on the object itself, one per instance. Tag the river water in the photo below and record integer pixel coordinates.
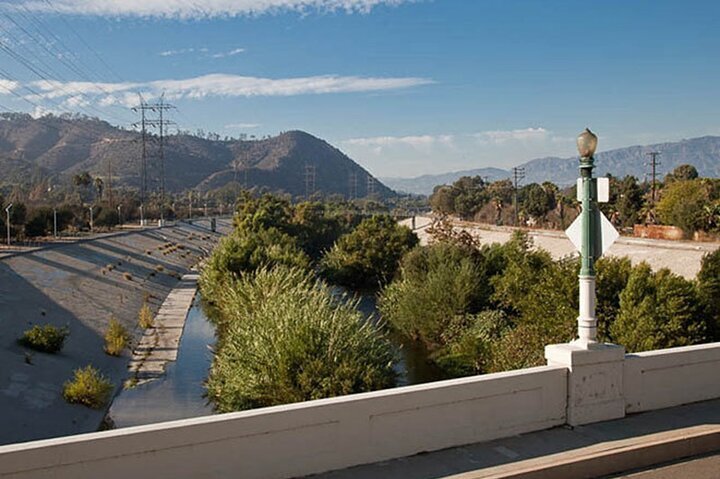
(179, 394)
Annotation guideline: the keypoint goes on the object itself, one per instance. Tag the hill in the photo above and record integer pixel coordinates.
(59, 147)
(703, 153)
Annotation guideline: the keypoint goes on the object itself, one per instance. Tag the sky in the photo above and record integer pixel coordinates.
(404, 87)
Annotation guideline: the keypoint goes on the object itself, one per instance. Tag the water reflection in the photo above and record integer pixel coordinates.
(179, 393)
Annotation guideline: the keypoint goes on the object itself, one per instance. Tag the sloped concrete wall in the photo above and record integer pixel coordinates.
(299, 439)
(671, 377)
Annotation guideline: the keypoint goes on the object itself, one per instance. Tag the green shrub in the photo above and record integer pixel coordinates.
(368, 256)
(247, 251)
(117, 338)
(88, 387)
(436, 284)
(145, 316)
(284, 337)
(46, 338)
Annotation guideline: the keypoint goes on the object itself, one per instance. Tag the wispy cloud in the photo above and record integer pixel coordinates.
(216, 85)
(503, 136)
(419, 141)
(198, 9)
(241, 126)
(231, 53)
(182, 51)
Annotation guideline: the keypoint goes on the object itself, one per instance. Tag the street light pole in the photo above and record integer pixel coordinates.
(55, 222)
(142, 218)
(587, 321)
(91, 219)
(7, 214)
(119, 208)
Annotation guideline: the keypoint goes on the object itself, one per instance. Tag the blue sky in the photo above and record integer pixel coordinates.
(404, 87)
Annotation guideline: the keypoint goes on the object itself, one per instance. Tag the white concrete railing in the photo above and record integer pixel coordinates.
(670, 377)
(310, 437)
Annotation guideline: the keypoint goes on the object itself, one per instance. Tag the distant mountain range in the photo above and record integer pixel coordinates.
(703, 153)
(59, 147)
(423, 185)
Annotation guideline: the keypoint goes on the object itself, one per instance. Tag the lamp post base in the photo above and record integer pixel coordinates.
(594, 380)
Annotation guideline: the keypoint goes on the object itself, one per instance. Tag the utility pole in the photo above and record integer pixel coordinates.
(653, 165)
(7, 215)
(309, 180)
(518, 174)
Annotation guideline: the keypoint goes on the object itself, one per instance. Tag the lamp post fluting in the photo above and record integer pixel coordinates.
(587, 321)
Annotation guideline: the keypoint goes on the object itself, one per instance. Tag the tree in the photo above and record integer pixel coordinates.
(536, 200)
(658, 310)
(442, 200)
(629, 200)
(709, 292)
(368, 256)
(682, 173)
(682, 205)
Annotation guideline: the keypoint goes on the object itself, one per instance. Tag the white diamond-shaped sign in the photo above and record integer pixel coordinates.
(608, 234)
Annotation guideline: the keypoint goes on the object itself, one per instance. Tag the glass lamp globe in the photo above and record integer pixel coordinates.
(587, 143)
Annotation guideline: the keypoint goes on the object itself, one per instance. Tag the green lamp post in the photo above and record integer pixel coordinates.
(590, 231)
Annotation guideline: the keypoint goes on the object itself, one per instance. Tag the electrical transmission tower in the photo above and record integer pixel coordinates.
(310, 171)
(160, 123)
(518, 174)
(653, 163)
(142, 108)
(352, 185)
(370, 186)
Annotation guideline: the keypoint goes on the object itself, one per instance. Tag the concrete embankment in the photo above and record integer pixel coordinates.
(81, 286)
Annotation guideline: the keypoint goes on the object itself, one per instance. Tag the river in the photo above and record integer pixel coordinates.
(179, 394)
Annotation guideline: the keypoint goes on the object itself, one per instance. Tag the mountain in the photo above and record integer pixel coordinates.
(423, 185)
(61, 146)
(703, 153)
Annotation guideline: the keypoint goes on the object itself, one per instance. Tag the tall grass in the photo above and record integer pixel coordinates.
(284, 337)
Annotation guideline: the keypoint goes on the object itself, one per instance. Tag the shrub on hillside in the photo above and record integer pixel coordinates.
(88, 387)
(284, 337)
(368, 256)
(46, 338)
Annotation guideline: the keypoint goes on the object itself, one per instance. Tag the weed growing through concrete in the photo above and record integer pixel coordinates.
(117, 338)
(46, 338)
(145, 316)
(88, 387)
